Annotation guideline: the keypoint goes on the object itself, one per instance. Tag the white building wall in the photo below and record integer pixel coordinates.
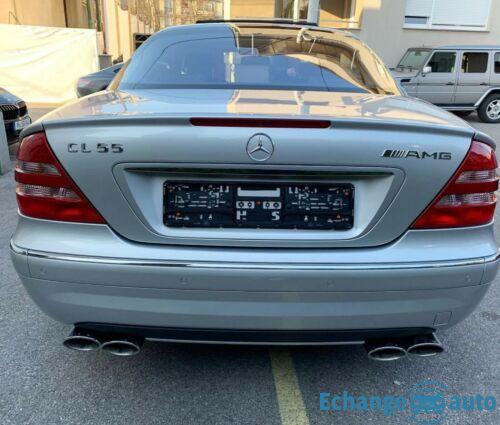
(382, 29)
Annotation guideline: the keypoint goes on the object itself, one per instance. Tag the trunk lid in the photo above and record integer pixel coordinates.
(121, 148)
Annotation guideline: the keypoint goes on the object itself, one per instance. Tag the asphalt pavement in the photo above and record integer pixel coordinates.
(41, 382)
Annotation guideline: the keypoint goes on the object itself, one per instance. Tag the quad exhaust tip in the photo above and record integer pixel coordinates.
(395, 349)
(385, 352)
(118, 345)
(81, 341)
(380, 350)
(122, 347)
(425, 346)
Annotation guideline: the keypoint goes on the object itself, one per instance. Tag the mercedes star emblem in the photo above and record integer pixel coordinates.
(260, 147)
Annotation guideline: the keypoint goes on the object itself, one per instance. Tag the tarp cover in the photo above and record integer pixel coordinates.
(42, 64)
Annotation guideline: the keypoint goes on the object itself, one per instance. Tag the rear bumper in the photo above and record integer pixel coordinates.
(254, 290)
(272, 311)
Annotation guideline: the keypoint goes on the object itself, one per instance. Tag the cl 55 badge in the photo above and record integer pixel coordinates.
(99, 148)
(389, 153)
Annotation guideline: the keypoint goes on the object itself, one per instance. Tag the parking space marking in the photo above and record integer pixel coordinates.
(290, 401)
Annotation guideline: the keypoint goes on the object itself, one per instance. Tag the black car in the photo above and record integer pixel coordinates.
(15, 114)
(97, 81)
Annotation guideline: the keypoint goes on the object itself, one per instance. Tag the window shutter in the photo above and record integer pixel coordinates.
(472, 13)
(419, 7)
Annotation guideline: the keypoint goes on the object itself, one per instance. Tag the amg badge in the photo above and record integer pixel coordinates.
(389, 153)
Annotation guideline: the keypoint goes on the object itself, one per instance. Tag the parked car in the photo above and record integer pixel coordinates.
(15, 115)
(411, 62)
(409, 65)
(97, 81)
(462, 79)
(248, 182)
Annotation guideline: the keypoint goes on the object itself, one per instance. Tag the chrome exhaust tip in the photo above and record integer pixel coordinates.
(79, 340)
(123, 347)
(425, 346)
(384, 351)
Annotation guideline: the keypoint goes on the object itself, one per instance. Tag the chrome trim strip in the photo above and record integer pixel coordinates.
(236, 342)
(492, 258)
(459, 108)
(17, 250)
(250, 266)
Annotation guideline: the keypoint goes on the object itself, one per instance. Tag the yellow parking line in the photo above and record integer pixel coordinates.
(290, 402)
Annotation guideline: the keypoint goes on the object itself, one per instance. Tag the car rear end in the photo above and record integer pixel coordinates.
(96, 81)
(15, 118)
(256, 216)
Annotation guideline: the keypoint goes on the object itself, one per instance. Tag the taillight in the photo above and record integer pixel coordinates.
(469, 197)
(44, 190)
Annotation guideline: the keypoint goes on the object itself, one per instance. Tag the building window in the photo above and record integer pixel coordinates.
(188, 12)
(332, 13)
(474, 62)
(463, 15)
(339, 14)
(291, 9)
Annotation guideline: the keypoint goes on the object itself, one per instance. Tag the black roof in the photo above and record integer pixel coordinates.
(257, 21)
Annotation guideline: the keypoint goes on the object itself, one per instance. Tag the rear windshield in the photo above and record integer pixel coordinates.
(256, 61)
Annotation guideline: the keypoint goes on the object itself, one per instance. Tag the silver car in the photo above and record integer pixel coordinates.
(255, 183)
(462, 79)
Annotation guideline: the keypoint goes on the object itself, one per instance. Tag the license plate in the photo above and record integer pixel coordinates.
(21, 124)
(265, 206)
